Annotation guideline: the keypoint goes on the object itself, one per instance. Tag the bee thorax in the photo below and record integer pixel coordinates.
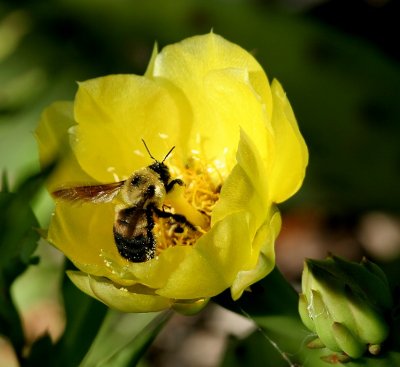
(142, 188)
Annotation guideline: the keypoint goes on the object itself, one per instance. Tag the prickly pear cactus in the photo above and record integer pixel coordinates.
(346, 305)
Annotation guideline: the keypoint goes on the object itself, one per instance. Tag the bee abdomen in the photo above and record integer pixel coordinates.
(139, 248)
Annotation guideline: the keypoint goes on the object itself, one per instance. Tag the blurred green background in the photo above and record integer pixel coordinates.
(335, 59)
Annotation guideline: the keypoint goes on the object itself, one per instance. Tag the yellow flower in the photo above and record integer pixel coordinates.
(238, 151)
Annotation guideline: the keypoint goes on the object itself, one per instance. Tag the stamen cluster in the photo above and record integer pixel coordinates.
(202, 189)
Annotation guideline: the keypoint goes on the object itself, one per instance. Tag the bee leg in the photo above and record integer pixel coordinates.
(177, 217)
(174, 182)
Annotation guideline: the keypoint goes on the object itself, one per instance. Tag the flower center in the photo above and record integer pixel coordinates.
(195, 201)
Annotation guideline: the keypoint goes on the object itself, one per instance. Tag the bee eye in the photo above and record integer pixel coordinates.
(151, 190)
(136, 181)
(178, 229)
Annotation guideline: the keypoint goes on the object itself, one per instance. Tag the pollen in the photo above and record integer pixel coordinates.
(195, 200)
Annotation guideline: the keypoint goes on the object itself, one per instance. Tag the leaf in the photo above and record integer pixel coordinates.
(17, 222)
(18, 241)
(10, 323)
(124, 338)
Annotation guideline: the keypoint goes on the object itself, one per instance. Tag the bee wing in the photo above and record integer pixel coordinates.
(90, 193)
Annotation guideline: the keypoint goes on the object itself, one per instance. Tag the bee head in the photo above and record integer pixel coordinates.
(162, 170)
(160, 167)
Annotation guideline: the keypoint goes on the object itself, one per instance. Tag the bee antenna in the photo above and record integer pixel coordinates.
(166, 156)
(148, 151)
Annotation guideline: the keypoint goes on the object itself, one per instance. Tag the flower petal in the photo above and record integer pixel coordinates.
(246, 187)
(191, 307)
(122, 299)
(193, 58)
(114, 113)
(208, 69)
(52, 131)
(82, 232)
(154, 273)
(248, 157)
(291, 155)
(263, 246)
(237, 195)
(245, 278)
(212, 264)
(268, 247)
(81, 280)
(193, 277)
(53, 142)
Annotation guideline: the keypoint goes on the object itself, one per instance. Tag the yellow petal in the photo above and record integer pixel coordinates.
(291, 155)
(191, 307)
(246, 187)
(53, 141)
(245, 278)
(153, 273)
(263, 245)
(226, 88)
(194, 277)
(119, 298)
(193, 58)
(237, 195)
(248, 157)
(212, 264)
(52, 131)
(81, 280)
(268, 247)
(113, 114)
(83, 231)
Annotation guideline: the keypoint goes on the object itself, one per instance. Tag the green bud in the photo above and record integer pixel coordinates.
(371, 325)
(344, 303)
(323, 321)
(347, 341)
(374, 269)
(368, 279)
(304, 313)
(384, 299)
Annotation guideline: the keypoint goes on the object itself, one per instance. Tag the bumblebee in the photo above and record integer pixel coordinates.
(142, 195)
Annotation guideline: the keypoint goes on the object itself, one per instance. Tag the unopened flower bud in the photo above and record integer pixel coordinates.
(345, 304)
